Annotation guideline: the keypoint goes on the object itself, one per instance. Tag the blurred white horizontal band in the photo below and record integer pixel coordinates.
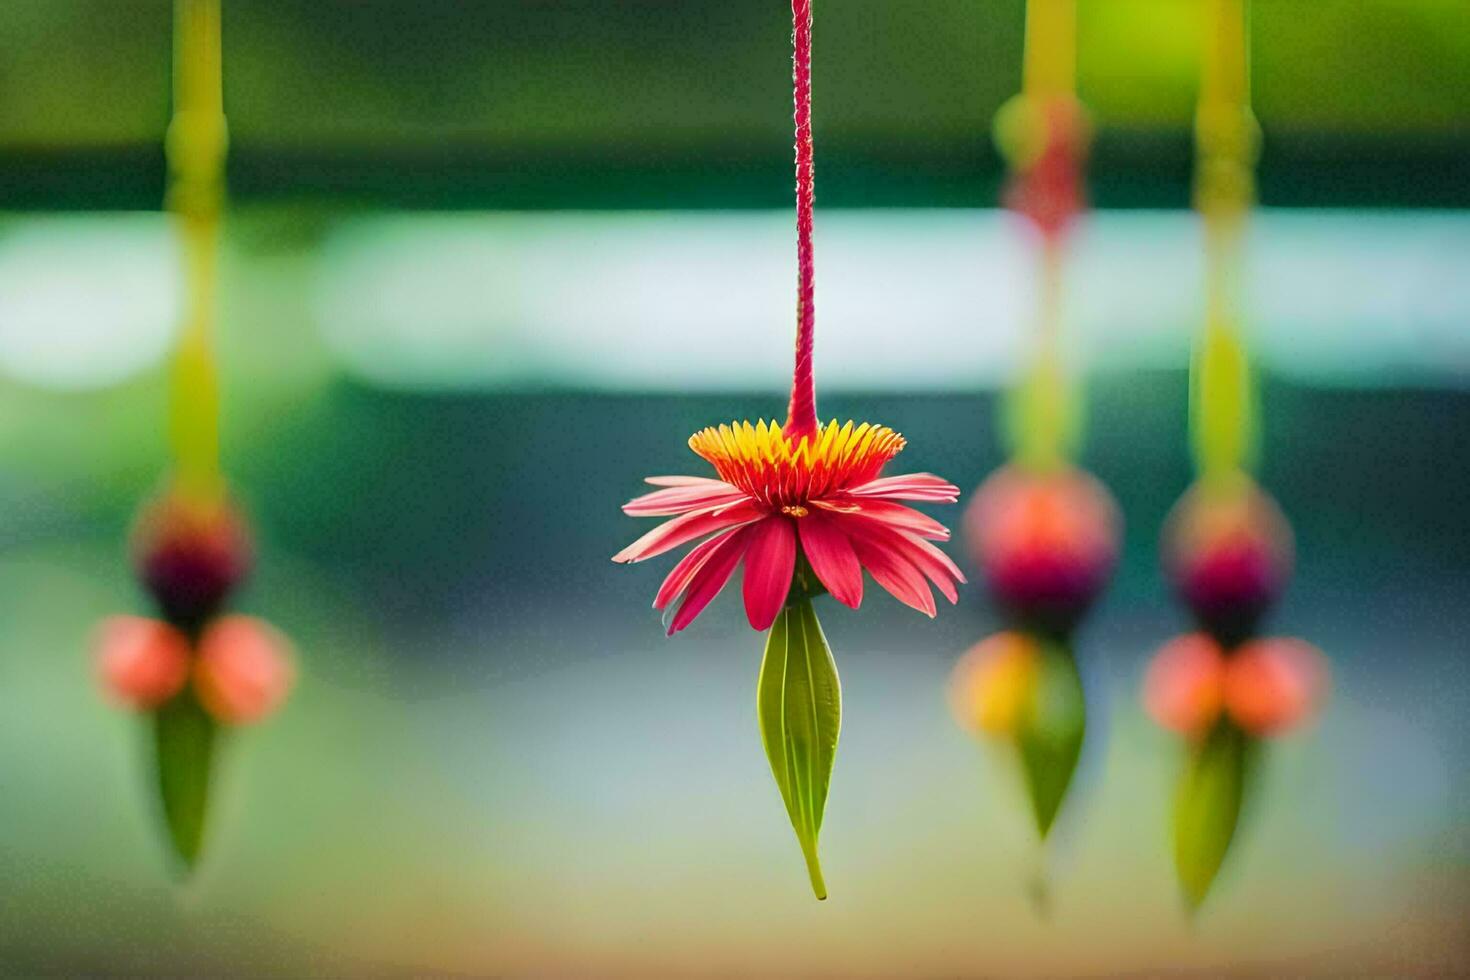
(689, 301)
(86, 300)
(905, 299)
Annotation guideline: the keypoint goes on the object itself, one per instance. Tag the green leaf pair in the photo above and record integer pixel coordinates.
(184, 739)
(1207, 807)
(799, 702)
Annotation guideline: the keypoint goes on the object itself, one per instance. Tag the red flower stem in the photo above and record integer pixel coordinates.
(801, 418)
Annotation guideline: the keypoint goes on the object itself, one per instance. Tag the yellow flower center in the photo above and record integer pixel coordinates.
(786, 476)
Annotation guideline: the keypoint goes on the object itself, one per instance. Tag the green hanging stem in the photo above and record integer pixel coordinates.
(799, 704)
(1222, 397)
(1044, 412)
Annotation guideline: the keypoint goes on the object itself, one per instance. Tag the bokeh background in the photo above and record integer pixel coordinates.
(489, 264)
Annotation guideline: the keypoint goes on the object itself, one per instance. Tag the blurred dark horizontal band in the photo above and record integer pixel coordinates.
(1141, 169)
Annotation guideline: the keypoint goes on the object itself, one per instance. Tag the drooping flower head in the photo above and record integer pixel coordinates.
(820, 497)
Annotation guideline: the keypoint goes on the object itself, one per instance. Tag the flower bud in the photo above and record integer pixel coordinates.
(1047, 543)
(1272, 685)
(1184, 688)
(991, 683)
(141, 662)
(190, 555)
(1045, 142)
(1228, 550)
(244, 670)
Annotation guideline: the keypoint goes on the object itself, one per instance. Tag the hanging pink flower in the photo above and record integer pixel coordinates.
(820, 496)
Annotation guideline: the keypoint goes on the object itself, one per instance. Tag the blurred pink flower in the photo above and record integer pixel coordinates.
(1047, 541)
(1228, 549)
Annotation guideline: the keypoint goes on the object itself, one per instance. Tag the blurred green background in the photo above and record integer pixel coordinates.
(489, 264)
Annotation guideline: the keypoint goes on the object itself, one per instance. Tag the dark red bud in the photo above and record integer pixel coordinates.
(1047, 543)
(1228, 550)
(190, 555)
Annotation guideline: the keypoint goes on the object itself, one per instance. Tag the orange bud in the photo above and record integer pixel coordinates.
(1272, 685)
(992, 681)
(141, 662)
(1185, 685)
(244, 670)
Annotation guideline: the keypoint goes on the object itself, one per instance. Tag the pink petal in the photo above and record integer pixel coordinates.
(900, 578)
(689, 566)
(1273, 684)
(684, 528)
(889, 513)
(832, 558)
(710, 578)
(682, 481)
(769, 562)
(928, 559)
(1184, 687)
(681, 500)
(910, 486)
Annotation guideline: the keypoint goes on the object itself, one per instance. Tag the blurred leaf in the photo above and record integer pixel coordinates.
(1051, 732)
(184, 743)
(1207, 808)
(799, 700)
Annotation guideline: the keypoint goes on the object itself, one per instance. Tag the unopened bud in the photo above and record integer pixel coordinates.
(190, 555)
(992, 682)
(1184, 689)
(243, 671)
(1272, 685)
(1228, 550)
(141, 662)
(1047, 543)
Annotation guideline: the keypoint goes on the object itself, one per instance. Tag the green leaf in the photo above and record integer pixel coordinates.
(1051, 730)
(184, 738)
(1207, 808)
(799, 701)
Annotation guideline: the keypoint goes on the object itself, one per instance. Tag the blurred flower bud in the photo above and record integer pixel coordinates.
(1047, 542)
(992, 682)
(190, 555)
(1228, 550)
(1272, 685)
(141, 662)
(1045, 142)
(243, 671)
(1184, 688)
